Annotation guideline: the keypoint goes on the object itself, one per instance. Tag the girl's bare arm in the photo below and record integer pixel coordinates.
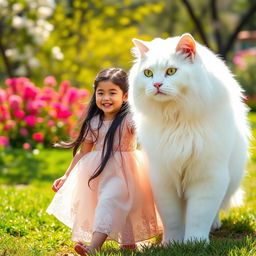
(86, 147)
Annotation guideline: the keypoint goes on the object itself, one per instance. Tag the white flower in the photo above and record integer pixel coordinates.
(39, 40)
(45, 25)
(28, 52)
(49, 3)
(60, 124)
(18, 22)
(14, 54)
(29, 24)
(35, 151)
(57, 54)
(32, 4)
(17, 7)
(33, 62)
(49, 27)
(44, 12)
(21, 71)
(3, 3)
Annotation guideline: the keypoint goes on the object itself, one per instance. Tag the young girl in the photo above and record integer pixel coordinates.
(105, 192)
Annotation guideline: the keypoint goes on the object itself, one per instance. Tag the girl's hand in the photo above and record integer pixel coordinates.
(57, 184)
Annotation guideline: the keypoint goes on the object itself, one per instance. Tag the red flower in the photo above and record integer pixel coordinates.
(38, 136)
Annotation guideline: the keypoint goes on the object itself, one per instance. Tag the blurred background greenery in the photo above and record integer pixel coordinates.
(73, 39)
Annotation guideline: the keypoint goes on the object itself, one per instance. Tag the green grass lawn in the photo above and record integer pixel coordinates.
(26, 229)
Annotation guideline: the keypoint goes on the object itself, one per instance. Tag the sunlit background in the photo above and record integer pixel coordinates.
(50, 53)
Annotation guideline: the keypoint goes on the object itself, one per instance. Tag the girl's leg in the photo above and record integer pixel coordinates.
(97, 241)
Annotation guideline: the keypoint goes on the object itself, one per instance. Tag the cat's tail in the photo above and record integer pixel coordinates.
(236, 200)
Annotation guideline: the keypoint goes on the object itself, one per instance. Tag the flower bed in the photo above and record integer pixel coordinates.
(31, 115)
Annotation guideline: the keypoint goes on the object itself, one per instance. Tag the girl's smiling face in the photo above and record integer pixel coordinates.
(109, 98)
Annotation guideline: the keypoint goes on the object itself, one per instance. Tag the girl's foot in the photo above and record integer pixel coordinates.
(128, 246)
(82, 249)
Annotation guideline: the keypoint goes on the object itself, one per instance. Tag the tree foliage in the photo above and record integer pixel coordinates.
(74, 39)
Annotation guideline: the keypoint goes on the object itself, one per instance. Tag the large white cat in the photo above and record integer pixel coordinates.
(192, 124)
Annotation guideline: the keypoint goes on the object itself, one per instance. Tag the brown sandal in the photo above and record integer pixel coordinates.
(128, 246)
(82, 249)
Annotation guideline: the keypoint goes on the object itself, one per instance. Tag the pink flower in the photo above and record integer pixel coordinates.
(50, 80)
(47, 94)
(64, 86)
(30, 91)
(83, 93)
(51, 123)
(26, 146)
(62, 111)
(40, 119)
(4, 141)
(15, 102)
(39, 137)
(16, 84)
(4, 113)
(19, 113)
(3, 96)
(23, 131)
(72, 95)
(12, 83)
(30, 120)
(31, 108)
(53, 113)
(34, 106)
(9, 125)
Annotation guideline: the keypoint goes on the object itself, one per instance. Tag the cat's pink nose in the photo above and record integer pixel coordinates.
(158, 85)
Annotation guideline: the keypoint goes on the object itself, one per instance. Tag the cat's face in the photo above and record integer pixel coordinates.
(164, 68)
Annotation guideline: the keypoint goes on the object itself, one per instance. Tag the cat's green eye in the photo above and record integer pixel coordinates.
(171, 71)
(148, 73)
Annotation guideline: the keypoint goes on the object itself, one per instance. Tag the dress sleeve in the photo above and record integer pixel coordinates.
(130, 123)
(90, 136)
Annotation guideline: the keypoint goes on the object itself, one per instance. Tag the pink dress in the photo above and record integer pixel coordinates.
(119, 202)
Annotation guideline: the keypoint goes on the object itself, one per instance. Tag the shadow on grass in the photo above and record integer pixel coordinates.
(19, 166)
(241, 222)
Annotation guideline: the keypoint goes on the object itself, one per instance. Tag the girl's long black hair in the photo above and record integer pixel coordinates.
(118, 77)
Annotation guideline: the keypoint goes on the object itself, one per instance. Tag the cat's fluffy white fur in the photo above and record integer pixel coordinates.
(194, 130)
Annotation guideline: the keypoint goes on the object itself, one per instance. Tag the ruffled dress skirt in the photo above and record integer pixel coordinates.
(118, 203)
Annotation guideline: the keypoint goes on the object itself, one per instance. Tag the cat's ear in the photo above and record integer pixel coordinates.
(140, 45)
(187, 46)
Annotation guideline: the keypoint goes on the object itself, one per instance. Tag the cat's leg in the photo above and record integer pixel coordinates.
(217, 222)
(204, 197)
(170, 207)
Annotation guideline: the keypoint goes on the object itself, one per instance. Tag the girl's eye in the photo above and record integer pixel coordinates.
(148, 73)
(171, 71)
